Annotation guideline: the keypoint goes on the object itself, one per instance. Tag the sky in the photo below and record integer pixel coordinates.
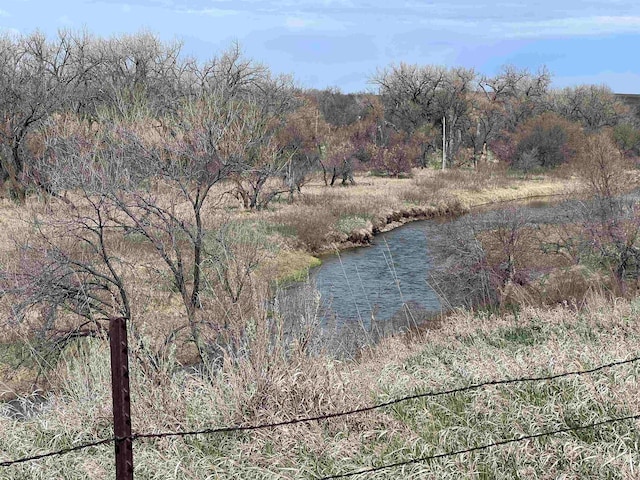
(342, 43)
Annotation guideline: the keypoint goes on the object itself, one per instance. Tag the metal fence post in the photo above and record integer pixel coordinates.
(121, 398)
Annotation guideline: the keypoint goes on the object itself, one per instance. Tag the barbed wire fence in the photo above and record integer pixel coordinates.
(122, 442)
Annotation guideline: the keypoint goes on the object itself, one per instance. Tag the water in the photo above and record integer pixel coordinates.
(376, 281)
(380, 281)
(361, 295)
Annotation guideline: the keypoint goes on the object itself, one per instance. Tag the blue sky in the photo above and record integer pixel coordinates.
(341, 43)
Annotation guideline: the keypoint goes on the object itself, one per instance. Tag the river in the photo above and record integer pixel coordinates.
(388, 285)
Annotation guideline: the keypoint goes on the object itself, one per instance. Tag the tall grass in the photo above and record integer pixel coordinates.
(325, 218)
(270, 386)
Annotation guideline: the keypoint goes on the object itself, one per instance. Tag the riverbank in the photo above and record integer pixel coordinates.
(267, 381)
(411, 274)
(326, 220)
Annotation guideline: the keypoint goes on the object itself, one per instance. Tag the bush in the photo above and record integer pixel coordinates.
(312, 226)
(349, 223)
(545, 141)
(543, 147)
(627, 139)
(602, 167)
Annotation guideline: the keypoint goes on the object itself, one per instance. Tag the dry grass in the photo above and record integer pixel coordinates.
(267, 387)
(289, 266)
(321, 216)
(321, 220)
(550, 258)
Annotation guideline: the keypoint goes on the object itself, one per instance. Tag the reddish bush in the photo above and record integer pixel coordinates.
(545, 141)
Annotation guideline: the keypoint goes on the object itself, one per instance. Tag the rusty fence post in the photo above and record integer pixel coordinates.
(121, 398)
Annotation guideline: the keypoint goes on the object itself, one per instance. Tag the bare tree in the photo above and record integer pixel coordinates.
(137, 70)
(462, 276)
(594, 106)
(602, 167)
(36, 81)
(261, 157)
(230, 72)
(418, 96)
(480, 256)
(453, 106)
(485, 119)
(520, 93)
(69, 266)
(410, 94)
(303, 140)
(114, 171)
(152, 176)
(339, 109)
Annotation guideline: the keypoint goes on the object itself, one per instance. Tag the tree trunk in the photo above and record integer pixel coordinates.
(10, 180)
(324, 173)
(197, 260)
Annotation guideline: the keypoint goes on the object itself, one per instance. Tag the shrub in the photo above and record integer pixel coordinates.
(545, 141)
(602, 167)
(543, 147)
(627, 138)
(312, 226)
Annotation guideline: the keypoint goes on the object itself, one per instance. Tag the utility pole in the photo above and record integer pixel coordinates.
(121, 398)
(444, 142)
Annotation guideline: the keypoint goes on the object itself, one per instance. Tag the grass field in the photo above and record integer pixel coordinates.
(467, 349)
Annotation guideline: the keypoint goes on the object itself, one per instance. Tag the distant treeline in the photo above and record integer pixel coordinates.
(230, 115)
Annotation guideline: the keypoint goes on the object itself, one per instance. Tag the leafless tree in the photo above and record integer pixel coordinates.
(263, 114)
(339, 109)
(231, 71)
(520, 93)
(37, 79)
(416, 96)
(453, 107)
(594, 106)
(151, 176)
(479, 256)
(461, 276)
(410, 94)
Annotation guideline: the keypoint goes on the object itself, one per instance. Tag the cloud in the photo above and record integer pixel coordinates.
(583, 26)
(316, 22)
(556, 27)
(419, 47)
(65, 20)
(619, 82)
(298, 22)
(4, 13)
(483, 18)
(208, 12)
(325, 49)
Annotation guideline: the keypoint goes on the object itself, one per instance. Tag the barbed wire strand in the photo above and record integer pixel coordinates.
(481, 447)
(384, 404)
(240, 428)
(57, 452)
